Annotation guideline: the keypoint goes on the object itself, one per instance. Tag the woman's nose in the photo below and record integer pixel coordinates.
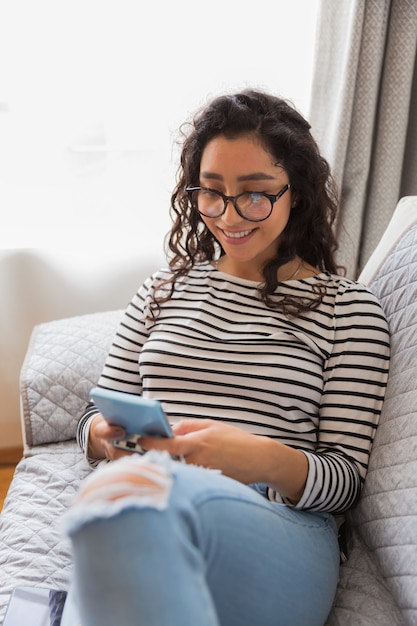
(231, 216)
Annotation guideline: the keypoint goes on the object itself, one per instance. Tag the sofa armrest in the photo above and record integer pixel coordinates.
(403, 218)
(63, 361)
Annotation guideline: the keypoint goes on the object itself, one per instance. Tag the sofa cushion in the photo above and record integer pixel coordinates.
(362, 597)
(34, 550)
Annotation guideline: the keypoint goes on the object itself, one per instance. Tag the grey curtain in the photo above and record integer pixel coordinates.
(364, 114)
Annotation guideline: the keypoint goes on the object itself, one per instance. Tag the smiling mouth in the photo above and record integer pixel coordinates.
(238, 235)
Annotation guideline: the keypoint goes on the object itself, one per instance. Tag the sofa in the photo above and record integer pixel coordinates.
(378, 582)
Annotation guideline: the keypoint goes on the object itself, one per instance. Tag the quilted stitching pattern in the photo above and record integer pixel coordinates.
(64, 361)
(378, 584)
(33, 549)
(386, 516)
(363, 598)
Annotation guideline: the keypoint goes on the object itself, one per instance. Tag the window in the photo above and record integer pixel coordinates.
(92, 93)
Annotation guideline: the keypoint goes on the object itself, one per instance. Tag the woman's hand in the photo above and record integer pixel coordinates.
(241, 455)
(100, 439)
(217, 445)
(210, 444)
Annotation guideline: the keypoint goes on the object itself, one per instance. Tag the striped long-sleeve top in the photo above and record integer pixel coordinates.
(315, 381)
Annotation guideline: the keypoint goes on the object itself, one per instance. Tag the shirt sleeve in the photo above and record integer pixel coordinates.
(121, 368)
(355, 379)
(83, 430)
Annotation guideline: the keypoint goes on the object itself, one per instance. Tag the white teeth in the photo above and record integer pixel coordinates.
(237, 235)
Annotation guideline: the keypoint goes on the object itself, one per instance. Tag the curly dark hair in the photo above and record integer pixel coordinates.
(285, 135)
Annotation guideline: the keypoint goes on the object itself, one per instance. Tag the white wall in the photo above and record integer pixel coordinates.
(92, 93)
(42, 285)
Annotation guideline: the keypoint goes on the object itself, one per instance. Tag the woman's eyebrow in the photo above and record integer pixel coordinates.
(256, 176)
(211, 175)
(245, 177)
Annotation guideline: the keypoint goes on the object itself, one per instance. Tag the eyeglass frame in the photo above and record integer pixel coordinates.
(233, 199)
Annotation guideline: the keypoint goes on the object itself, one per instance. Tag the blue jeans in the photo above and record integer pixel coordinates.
(187, 546)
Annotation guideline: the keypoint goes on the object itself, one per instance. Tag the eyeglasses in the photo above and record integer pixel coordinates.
(254, 206)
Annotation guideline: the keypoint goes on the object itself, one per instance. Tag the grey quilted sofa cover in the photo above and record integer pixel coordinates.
(378, 583)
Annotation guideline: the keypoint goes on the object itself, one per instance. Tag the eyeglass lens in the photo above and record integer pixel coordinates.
(253, 206)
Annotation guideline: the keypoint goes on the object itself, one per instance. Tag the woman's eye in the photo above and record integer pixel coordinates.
(209, 193)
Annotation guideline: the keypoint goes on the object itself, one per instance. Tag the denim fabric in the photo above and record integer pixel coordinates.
(216, 552)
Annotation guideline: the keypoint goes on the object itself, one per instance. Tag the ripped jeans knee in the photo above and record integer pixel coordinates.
(131, 481)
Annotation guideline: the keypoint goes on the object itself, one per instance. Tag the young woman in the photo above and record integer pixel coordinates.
(272, 369)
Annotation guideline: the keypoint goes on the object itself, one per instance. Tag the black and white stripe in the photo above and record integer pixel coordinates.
(315, 382)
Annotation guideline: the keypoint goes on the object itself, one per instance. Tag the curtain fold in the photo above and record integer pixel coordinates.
(363, 114)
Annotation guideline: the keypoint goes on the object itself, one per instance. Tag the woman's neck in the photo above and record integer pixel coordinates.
(293, 270)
